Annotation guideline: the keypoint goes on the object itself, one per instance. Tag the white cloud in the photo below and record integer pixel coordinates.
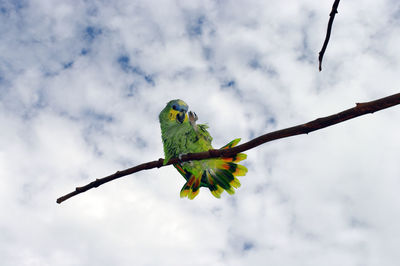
(81, 86)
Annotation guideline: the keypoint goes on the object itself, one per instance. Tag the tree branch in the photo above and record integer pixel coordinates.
(328, 32)
(358, 110)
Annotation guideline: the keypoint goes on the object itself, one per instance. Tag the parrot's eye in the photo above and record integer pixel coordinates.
(174, 107)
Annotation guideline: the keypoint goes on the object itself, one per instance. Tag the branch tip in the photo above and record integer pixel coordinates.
(328, 32)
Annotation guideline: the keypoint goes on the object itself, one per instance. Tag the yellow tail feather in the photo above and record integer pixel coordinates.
(240, 170)
(184, 193)
(193, 194)
(235, 183)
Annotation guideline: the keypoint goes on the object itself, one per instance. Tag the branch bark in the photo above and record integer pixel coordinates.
(359, 110)
(328, 32)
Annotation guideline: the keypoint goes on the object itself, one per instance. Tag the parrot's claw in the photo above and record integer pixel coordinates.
(192, 120)
(180, 157)
(192, 117)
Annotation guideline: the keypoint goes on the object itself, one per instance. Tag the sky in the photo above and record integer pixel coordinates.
(81, 87)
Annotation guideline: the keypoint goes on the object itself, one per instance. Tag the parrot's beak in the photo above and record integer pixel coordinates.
(180, 117)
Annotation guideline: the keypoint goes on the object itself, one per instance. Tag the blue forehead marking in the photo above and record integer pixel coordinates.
(183, 107)
(180, 105)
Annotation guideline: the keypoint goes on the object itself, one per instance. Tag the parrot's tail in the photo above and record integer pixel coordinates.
(220, 175)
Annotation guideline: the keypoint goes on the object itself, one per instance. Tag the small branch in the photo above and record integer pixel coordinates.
(359, 110)
(328, 32)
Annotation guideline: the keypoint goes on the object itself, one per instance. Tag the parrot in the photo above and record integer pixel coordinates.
(181, 135)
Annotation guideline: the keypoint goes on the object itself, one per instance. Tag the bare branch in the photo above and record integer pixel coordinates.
(328, 32)
(359, 110)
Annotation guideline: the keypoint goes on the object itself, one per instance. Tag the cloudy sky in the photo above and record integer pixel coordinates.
(81, 87)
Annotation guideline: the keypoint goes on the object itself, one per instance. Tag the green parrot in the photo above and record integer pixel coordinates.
(180, 135)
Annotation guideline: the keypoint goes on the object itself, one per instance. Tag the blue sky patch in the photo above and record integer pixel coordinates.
(123, 61)
(254, 63)
(229, 83)
(84, 51)
(131, 91)
(92, 11)
(269, 69)
(3, 10)
(305, 52)
(140, 142)
(68, 65)
(98, 117)
(126, 66)
(247, 246)
(271, 121)
(207, 53)
(195, 26)
(13, 5)
(92, 32)
(8, 6)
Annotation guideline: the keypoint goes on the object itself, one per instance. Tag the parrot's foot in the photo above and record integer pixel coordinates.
(192, 120)
(193, 117)
(180, 159)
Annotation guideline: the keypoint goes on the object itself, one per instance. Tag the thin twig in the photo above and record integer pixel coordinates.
(328, 32)
(358, 110)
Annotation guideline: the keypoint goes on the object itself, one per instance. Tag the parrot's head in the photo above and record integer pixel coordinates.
(174, 112)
